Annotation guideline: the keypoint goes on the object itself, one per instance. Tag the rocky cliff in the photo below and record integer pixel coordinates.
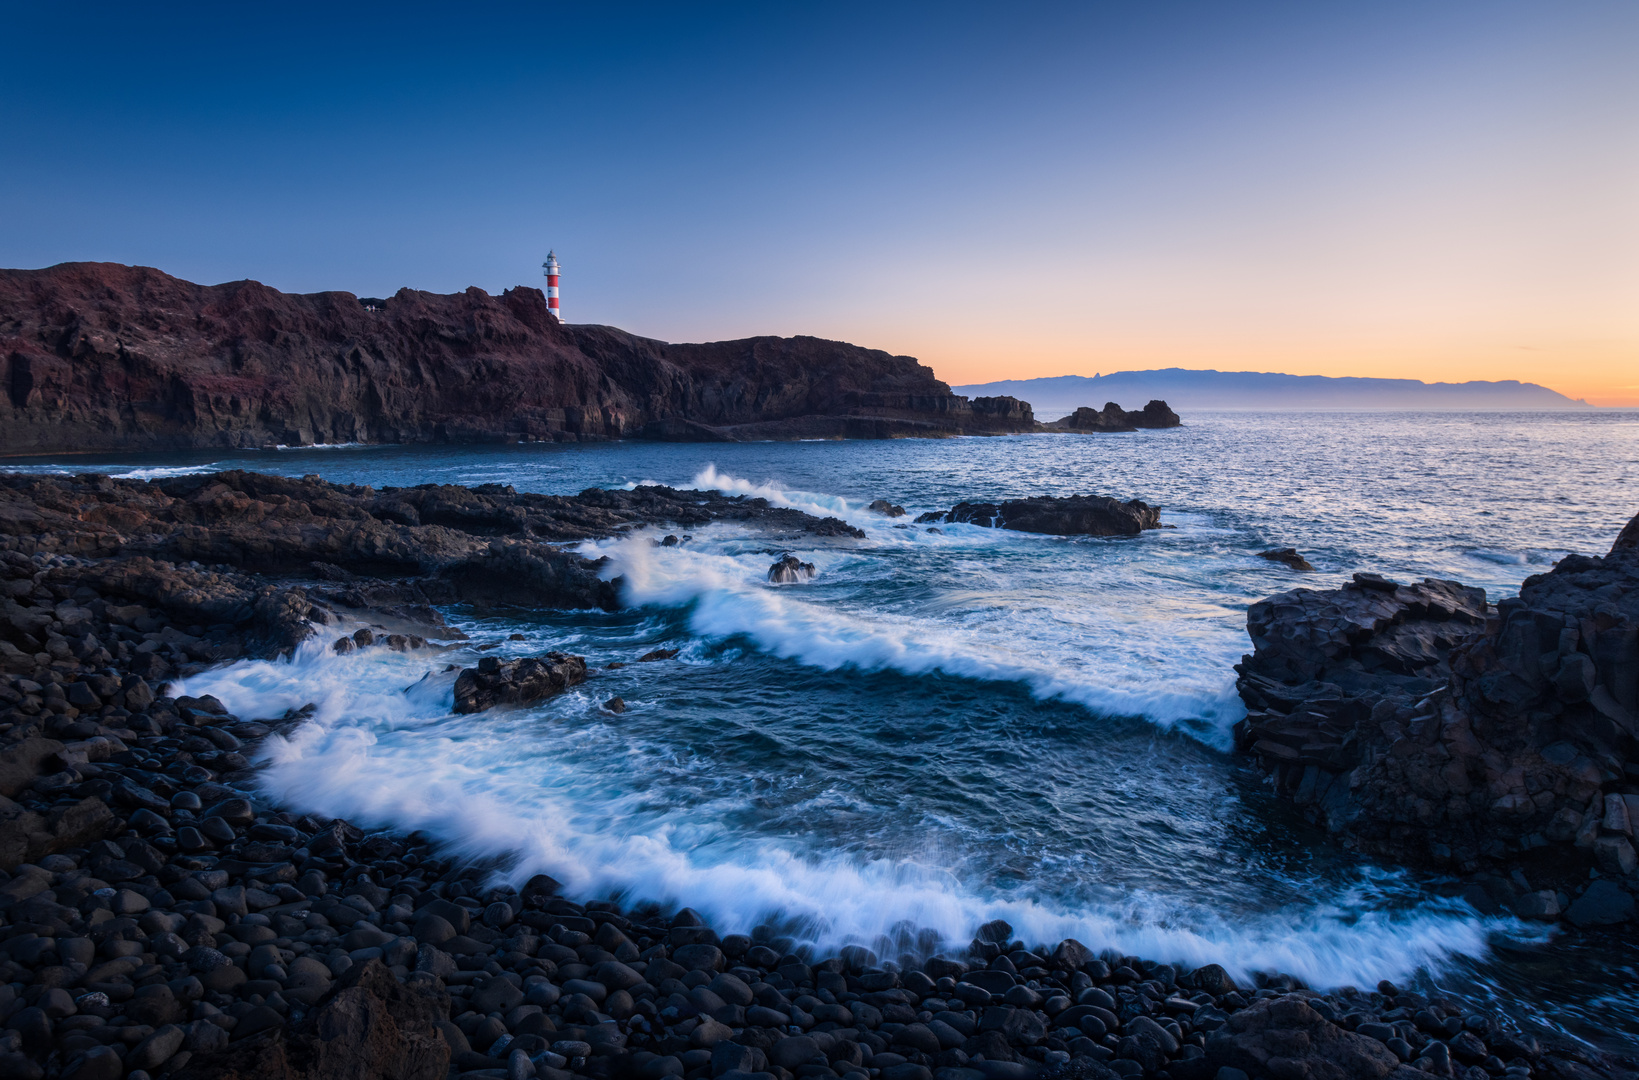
(99, 356)
(1420, 722)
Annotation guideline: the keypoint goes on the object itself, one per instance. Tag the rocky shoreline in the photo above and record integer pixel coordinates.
(99, 356)
(158, 917)
(170, 922)
(105, 357)
(1421, 723)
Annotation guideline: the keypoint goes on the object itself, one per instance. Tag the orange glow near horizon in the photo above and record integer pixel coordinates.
(1602, 374)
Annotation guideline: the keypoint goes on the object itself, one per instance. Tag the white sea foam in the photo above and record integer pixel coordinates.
(161, 472)
(382, 750)
(727, 597)
(118, 472)
(561, 790)
(709, 479)
(328, 446)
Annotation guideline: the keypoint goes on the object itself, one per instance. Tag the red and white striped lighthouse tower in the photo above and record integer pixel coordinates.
(551, 268)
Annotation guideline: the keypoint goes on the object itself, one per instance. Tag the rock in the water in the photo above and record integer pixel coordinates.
(886, 508)
(790, 570)
(1542, 906)
(1287, 557)
(1603, 904)
(1076, 515)
(1422, 723)
(1114, 418)
(516, 682)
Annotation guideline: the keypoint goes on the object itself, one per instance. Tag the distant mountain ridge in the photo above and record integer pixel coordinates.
(1186, 388)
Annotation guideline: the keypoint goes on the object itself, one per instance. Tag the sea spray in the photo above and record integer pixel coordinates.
(727, 597)
(383, 750)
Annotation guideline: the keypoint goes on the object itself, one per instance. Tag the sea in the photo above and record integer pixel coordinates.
(955, 724)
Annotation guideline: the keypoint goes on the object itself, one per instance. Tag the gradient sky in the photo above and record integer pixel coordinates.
(1441, 190)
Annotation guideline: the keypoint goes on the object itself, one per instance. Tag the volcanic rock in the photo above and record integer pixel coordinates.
(99, 356)
(1076, 515)
(1285, 1037)
(1114, 418)
(1287, 557)
(1420, 722)
(373, 1028)
(516, 682)
(790, 570)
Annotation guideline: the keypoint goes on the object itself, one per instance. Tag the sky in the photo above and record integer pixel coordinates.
(1444, 191)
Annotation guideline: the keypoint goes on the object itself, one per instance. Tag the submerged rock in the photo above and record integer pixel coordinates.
(1287, 557)
(1076, 515)
(789, 570)
(516, 682)
(886, 508)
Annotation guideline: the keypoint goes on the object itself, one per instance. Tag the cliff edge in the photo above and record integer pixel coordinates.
(101, 356)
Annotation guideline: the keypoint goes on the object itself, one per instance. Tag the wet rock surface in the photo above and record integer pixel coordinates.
(517, 682)
(790, 570)
(167, 576)
(1422, 723)
(1288, 557)
(1075, 515)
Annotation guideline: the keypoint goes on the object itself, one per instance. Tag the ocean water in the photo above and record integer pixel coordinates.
(947, 727)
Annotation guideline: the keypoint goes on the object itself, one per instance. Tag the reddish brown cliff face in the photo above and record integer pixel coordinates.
(99, 356)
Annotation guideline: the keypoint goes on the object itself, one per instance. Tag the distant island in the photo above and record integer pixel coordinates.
(1188, 389)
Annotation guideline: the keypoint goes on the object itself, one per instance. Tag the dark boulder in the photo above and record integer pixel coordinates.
(1075, 515)
(1422, 723)
(29, 835)
(1287, 557)
(1604, 904)
(373, 1028)
(789, 570)
(1284, 1037)
(516, 682)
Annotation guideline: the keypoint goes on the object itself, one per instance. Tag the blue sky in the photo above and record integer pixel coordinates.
(1440, 190)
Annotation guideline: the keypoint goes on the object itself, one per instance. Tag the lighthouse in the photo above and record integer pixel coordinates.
(551, 268)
